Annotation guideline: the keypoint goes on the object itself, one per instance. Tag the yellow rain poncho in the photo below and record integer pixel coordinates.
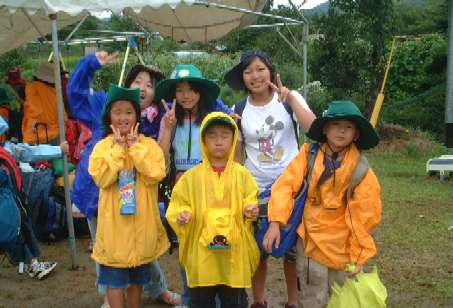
(124, 241)
(217, 206)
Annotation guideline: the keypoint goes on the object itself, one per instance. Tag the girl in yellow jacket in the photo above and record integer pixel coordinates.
(212, 208)
(127, 167)
(336, 229)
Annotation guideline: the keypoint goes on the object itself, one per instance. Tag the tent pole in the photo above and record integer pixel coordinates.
(57, 74)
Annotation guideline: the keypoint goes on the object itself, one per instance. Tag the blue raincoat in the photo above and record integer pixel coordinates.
(86, 106)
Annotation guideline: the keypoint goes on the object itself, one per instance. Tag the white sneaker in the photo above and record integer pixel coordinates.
(41, 269)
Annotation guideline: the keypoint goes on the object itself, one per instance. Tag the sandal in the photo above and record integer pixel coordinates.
(170, 298)
(259, 305)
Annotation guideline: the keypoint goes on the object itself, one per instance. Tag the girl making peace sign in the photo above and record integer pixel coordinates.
(269, 118)
(127, 167)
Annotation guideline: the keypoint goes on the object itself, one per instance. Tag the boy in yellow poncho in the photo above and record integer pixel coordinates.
(212, 208)
(127, 167)
(336, 229)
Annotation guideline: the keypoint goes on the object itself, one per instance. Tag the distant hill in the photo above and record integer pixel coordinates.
(324, 7)
(319, 9)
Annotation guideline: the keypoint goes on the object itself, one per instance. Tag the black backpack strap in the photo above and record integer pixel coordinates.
(239, 109)
(289, 110)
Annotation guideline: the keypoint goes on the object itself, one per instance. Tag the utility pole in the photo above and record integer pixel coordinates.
(449, 98)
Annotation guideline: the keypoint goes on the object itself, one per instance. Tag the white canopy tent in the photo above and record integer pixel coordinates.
(22, 21)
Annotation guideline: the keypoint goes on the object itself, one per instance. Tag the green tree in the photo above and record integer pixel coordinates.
(349, 59)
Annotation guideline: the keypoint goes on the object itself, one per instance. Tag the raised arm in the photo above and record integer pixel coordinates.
(86, 105)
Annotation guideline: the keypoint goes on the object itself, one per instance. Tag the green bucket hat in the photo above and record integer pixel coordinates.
(186, 72)
(117, 93)
(345, 110)
(5, 97)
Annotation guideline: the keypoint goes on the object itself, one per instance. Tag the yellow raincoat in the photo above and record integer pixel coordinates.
(333, 234)
(124, 241)
(217, 206)
(40, 106)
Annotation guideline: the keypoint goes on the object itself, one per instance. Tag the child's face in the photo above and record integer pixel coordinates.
(186, 97)
(218, 140)
(340, 133)
(144, 82)
(256, 76)
(122, 116)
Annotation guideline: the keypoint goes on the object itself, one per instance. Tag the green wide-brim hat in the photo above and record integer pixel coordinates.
(186, 72)
(345, 110)
(117, 93)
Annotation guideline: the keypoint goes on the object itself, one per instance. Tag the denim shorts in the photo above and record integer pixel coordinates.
(121, 278)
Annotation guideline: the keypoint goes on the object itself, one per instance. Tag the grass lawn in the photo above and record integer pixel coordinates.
(415, 244)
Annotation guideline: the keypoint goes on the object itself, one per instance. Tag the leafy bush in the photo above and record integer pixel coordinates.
(415, 93)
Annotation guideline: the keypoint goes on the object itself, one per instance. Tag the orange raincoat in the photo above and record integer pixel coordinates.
(334, 233)
(40, 107)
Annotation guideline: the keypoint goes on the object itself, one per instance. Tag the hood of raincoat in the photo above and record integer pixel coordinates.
(221, 117)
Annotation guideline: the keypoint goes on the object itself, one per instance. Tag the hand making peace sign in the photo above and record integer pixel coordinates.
(132, 137)
(170, 116)
(105, 58)
(117, 137)
(283, 92)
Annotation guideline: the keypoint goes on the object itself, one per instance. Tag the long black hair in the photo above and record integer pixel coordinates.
(202, 106)
(107, 121)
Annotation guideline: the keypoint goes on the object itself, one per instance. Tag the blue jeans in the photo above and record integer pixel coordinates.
(157, 284)
(26, 246)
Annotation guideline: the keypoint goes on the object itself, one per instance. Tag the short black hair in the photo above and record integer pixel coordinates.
(216, 123)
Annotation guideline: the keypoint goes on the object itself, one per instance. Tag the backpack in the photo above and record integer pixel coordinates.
(55, 227)
(11, 205)
(77, 136)
(239, 109)
(288, 233)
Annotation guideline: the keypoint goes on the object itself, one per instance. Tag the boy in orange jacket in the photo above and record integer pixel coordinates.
(336, 228)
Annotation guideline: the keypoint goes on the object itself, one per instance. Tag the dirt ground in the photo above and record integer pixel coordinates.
(75, 288)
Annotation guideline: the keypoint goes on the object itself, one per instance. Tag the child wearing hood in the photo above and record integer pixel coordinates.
(335, 236)
(212, 209)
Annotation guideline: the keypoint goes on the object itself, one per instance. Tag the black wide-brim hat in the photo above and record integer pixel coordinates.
(345, 110)
(233, 78)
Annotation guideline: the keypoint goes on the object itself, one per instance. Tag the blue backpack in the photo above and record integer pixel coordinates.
(10, 218)
(288, 233)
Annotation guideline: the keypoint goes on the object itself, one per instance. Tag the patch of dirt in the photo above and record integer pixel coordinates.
(76, 288)
(397, 138)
